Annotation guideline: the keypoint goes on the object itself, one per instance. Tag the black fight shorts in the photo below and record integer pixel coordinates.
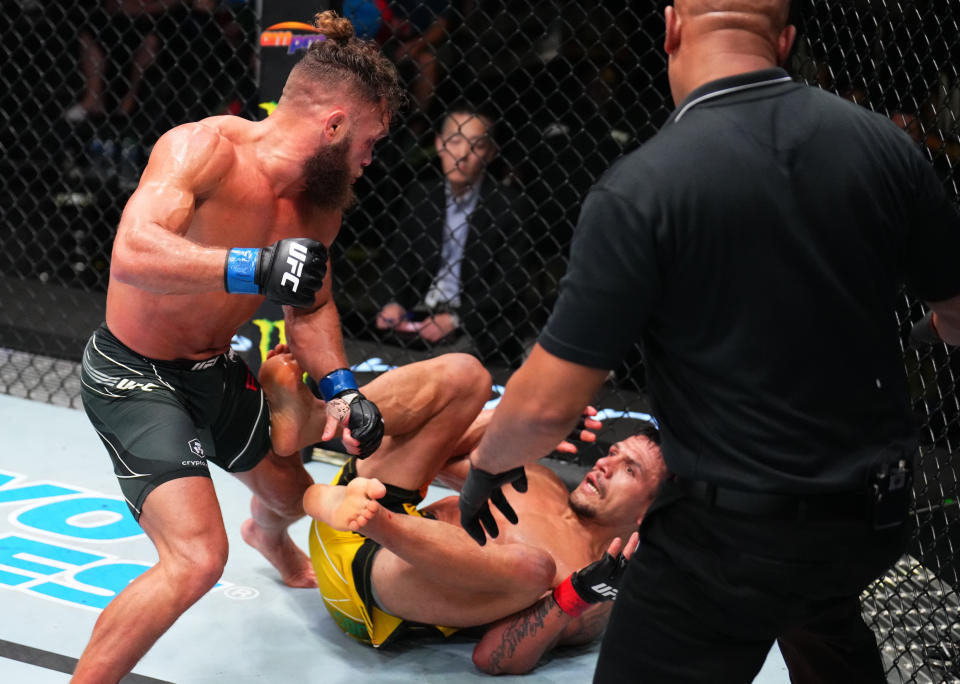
(162, 420)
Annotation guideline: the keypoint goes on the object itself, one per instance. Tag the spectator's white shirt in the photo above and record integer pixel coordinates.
(445, 288)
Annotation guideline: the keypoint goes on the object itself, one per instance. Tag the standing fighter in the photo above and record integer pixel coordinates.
(227, 212)
(755, 247)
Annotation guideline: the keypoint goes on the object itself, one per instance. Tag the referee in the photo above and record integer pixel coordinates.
(755, 247)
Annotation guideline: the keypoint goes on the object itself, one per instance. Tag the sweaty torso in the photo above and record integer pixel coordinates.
(545, 521)
(243, 211)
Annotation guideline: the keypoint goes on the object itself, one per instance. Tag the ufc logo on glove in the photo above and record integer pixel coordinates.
(289, 271)
(605, 590)
(297, 257)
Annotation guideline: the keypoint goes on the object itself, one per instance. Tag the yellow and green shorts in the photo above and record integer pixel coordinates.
(343, 562)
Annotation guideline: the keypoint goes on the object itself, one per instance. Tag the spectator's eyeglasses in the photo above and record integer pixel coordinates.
(479, 145)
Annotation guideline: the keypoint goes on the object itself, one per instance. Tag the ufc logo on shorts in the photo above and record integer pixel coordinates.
(297, 256)
(132, 384)
(606, 590)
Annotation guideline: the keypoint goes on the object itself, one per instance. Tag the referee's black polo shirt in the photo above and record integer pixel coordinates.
(755, 246)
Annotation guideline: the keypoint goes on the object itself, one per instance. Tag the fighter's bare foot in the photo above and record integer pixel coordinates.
(279, 349)
(353, 506)
(290, 401)
(278, 548)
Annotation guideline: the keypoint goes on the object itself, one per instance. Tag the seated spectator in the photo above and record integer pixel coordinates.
(454, 264)
(132, 26)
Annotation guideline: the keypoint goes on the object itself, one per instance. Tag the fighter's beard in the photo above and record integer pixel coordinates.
(581, 509)
(327, 179)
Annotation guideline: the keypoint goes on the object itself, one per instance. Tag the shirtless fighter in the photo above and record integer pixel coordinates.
(228, 211)
(388, 570)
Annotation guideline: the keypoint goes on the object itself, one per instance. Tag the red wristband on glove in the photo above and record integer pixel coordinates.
(569, 600)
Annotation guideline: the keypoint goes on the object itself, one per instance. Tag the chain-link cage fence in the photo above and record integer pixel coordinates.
(899, 58)
(85, 89)
(560, 88)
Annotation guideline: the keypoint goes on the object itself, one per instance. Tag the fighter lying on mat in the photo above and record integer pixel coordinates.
(387, 569)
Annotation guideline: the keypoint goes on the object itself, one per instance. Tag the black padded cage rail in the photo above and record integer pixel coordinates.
(86, 87)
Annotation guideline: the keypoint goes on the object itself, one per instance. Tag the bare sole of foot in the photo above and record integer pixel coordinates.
(290, 402)
(354, 506)
(291, 562)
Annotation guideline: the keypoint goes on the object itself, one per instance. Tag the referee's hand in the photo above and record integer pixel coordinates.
(481, 487)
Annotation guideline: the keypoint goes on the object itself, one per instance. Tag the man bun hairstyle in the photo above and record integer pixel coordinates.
(341, 59)
(333, 27)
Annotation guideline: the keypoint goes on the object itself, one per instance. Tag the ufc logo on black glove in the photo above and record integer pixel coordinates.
(298, 255)
(599, 581)
(288, 271)
(605, 590)
(353, 410)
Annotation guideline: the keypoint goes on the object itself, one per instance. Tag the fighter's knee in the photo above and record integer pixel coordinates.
(209, 569)
(197, 570)
(534, 568)
(466, 373)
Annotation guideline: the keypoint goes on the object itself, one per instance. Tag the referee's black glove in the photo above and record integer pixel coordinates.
(481, 487)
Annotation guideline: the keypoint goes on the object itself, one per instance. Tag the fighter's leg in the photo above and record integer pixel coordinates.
(278, 484)
(297, 418)
(431, 571)
(426, 407)
(182, 518)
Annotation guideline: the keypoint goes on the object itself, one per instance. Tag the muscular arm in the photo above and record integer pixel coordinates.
(314, 335)
(515, 644)
(454, 471)
(540, 406)
(472, 435)
(150, 251)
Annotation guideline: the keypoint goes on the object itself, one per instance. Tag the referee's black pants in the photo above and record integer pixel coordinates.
(709, 591)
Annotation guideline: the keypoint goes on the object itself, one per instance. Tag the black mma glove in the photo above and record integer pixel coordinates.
(288, 271)
(339, 389)
(475, 515)
(599, 581)
(924, 331)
